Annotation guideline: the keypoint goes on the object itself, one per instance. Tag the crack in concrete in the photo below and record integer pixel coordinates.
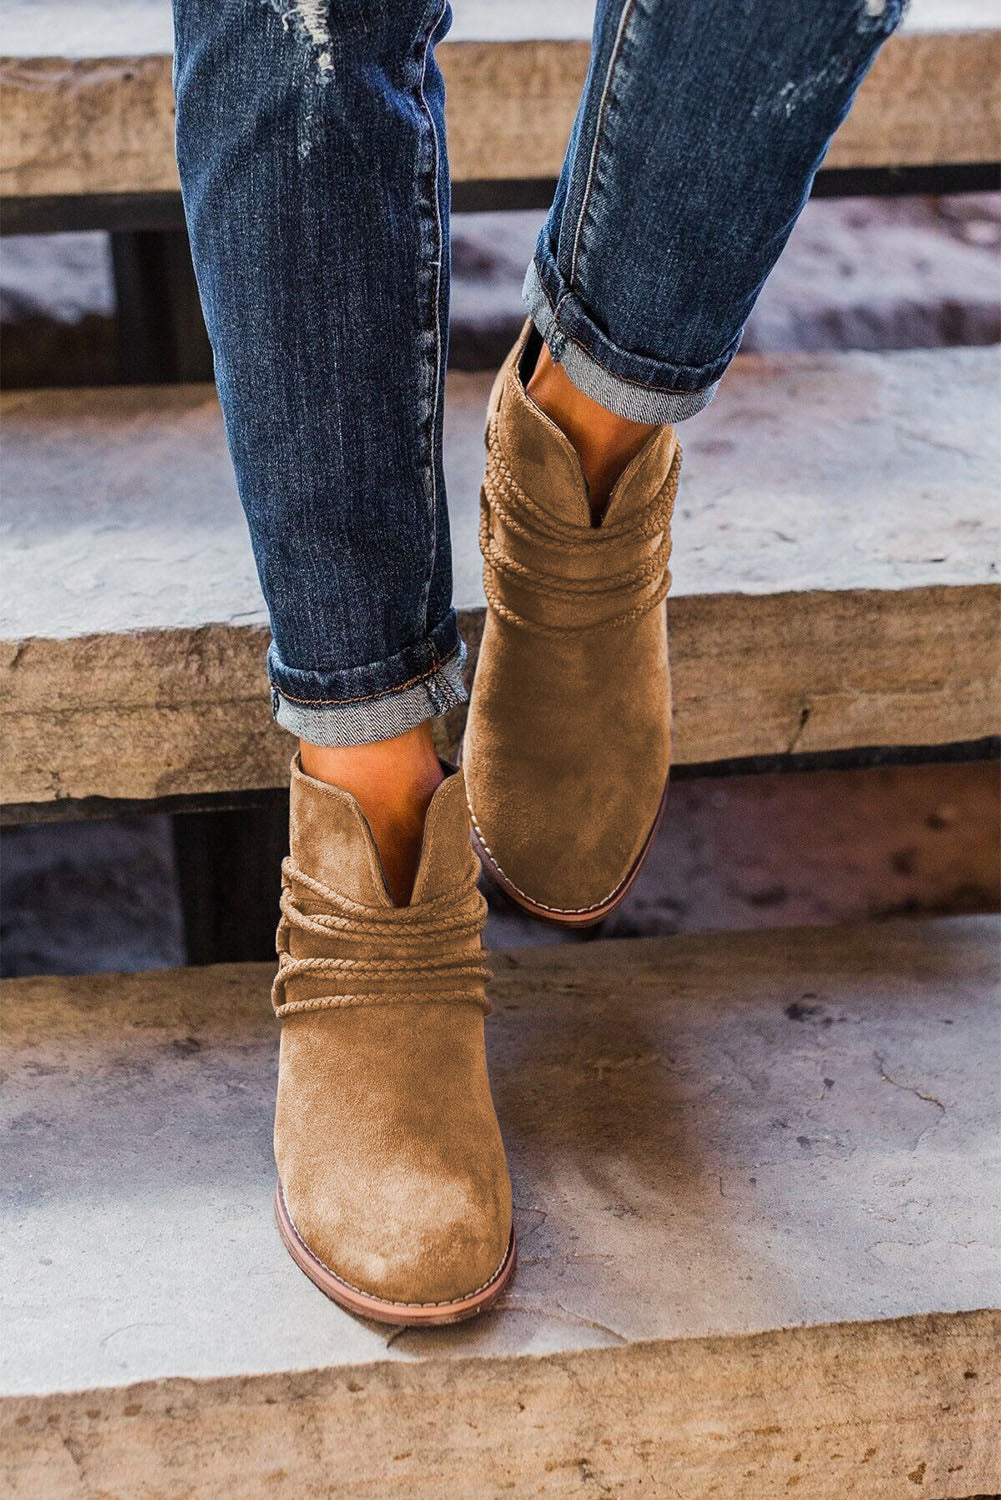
(906, 1088)
(604, 1065)
(591, 1323)
(921, 436)
(804, 718)
(126, 1328)
(514, 1304)
(19, 653)
(588, 1475)
(525, 1232)
(73, 1449)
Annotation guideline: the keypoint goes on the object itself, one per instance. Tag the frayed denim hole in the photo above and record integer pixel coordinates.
(308, 19)
(881, 15)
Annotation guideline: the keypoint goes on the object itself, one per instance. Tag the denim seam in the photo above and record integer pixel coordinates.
(644, 385)
(399, 687)
(436, 296)
(624, 19)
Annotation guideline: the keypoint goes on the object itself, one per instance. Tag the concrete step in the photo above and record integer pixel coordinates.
(86, 91)
(755, 1191)
(835, 575)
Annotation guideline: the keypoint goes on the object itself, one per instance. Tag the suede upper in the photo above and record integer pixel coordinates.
(567, 745)
(386, 1140)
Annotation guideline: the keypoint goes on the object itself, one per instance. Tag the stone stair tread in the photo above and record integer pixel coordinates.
(837, 515)
(99, 74)
(786, 1134)
(809, 471)
(681, 1166)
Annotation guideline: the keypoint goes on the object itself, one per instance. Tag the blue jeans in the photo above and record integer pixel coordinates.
(311, 148)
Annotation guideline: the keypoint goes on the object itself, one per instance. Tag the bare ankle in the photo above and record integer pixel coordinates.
(604, 442)
(393, 782)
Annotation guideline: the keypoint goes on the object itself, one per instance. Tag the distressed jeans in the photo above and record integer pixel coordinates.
(311, 147)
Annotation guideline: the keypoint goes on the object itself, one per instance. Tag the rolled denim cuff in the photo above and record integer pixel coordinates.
(631, 385)
(373, 702)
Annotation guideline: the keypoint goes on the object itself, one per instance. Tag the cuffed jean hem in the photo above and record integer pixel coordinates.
(631, 385)
(365, 717)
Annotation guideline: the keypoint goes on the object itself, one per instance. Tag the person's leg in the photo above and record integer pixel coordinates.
(310, 144)
(311, 153)
(692, 155)
(696, 140)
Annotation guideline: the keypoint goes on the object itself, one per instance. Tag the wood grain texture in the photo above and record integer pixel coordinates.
(754, 1185)
(78, 124)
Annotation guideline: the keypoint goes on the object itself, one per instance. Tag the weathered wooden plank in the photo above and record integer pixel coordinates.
(836, 563)
(80, 122)
(755, 1192)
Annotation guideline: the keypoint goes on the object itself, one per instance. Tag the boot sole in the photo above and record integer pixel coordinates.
(400, 1314)
(555, 918)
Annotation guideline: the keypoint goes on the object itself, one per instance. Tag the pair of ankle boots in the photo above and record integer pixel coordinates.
(393, 1191)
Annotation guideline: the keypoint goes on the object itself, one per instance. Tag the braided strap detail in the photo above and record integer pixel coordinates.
(503, 498)
(433, 951)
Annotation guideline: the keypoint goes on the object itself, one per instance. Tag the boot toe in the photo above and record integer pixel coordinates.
(431, 1241)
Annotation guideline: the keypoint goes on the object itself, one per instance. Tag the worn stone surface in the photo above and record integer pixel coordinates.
(835, 567)
(121, 505)
(710, 1138)
(641, 1086)
(57, 311)
(884, 273)
(101, 29)
(98, 77)
(883, 1412)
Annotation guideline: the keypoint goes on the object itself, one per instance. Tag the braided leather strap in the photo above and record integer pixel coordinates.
(385, 955)
(504, 499)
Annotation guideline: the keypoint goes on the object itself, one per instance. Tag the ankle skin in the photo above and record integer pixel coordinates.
(604, 443)
(393, 781)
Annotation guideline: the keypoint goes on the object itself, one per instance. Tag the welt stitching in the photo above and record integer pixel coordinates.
(565, 911)
(386, 1301)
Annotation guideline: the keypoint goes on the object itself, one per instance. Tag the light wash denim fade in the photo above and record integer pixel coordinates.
(311, 151)
(380, 717)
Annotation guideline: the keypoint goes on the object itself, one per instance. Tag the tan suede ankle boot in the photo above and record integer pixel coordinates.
(393, 1193)
(568, 740)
